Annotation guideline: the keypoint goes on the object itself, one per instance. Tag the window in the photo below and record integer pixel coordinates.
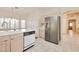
(17, 23)
(12, 23)
(1, 21)
(7, 20)
(23, 24)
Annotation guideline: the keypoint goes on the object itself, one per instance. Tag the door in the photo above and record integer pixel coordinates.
(17, 43)
(47, 29)
(54, 30)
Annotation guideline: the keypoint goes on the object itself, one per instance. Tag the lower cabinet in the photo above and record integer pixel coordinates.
(11, 43)
(4, 44)
(17, 43)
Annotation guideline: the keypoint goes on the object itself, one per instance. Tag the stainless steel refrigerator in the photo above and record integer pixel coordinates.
(52, 29)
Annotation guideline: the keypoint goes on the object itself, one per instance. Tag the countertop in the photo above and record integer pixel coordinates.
(10, 32)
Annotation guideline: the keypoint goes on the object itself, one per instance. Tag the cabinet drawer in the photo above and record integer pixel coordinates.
(20, 35)
(4, 38)
(4, 44)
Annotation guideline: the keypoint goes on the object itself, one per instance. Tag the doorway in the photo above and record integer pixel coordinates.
(72, 25)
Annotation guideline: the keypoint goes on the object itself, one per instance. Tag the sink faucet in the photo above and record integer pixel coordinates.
(5, 25)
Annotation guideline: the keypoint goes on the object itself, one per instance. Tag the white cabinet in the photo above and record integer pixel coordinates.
(4, 44)
(17, 43)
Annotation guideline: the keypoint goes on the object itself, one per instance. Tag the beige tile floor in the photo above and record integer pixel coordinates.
(43, 46)
(69, 43)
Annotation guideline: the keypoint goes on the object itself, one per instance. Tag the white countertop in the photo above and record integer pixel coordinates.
(10, 32)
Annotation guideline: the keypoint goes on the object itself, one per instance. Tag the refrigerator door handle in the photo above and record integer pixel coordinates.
(46, 25)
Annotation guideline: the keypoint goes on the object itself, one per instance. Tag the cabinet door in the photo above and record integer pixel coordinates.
(4, 44)
(17, 43)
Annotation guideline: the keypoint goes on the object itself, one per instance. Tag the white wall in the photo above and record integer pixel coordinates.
(33, 23)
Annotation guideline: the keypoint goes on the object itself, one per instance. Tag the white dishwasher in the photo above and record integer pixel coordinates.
(29, 39)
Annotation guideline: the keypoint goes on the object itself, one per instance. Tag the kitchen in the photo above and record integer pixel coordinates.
(22, 29)
(14, 36)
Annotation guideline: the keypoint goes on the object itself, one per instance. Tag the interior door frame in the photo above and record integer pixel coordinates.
(72, 20)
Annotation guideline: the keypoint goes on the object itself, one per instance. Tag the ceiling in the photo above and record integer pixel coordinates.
(27, 11)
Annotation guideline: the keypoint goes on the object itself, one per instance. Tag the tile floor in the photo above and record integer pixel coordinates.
(69, 43)
(43, 46)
